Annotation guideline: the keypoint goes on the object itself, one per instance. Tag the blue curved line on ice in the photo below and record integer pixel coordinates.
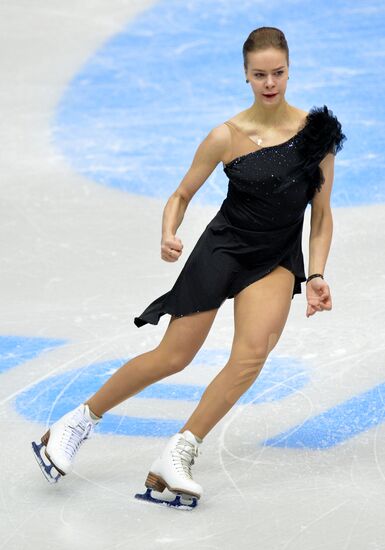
(48, 400)
(134, 115)
(15, 350)
(337, 424)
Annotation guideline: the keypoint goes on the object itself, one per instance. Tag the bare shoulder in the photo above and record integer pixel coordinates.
(301, 116)
(220, 135)
(218, 141)
(302, 113)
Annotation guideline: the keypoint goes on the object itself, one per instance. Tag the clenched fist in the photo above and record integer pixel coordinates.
(171, 248)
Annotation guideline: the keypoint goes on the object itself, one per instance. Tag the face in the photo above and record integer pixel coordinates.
(267, 72)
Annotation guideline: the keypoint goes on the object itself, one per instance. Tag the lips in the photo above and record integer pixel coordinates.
(269, 95)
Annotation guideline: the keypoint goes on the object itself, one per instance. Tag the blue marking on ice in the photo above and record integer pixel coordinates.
(48, 400)
(337, 424)
(135, 113)
(15, 350)
(281, 377)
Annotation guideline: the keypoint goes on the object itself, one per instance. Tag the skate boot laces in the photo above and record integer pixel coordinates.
(183, 456)
(74, 436)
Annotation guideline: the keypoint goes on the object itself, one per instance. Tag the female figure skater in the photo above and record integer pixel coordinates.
(278, 159)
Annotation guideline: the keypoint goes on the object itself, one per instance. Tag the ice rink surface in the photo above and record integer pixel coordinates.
(102, 107)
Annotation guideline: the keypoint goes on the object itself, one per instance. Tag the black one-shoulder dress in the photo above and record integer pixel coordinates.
(259, 224)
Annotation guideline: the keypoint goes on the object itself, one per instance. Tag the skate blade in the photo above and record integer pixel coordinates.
(176, 503)
(45, 467)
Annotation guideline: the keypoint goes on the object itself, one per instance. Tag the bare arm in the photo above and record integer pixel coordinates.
(321, 220)
(321, 231)
(207, 156)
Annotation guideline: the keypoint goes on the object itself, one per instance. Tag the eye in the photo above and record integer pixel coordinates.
(261, 74)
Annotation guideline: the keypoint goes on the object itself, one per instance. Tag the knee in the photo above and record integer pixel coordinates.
(239, 375)
(254, 350)
(173, 361)
(177, 364)
(248, 364)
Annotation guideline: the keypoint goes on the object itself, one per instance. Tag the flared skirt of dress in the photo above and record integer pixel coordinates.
(224, 261)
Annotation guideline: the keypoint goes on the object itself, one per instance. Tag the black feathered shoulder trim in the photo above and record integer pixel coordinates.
(322, 134)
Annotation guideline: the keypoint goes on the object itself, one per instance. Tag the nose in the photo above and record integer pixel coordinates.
(270, 80)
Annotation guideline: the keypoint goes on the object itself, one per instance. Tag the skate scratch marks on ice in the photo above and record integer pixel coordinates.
(55, 370)
(303, 528)
(237, 412)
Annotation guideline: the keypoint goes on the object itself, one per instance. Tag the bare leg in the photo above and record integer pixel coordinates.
(260, 314)
(181, 341)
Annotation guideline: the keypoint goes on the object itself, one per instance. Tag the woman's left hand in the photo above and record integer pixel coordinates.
(318, 296)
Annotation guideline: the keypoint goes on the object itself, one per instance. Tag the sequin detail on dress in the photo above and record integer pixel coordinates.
(259, 223)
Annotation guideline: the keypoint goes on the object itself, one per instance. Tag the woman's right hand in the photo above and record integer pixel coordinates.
(171, 248)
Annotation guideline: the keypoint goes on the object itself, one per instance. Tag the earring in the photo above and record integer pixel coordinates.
(247, 80)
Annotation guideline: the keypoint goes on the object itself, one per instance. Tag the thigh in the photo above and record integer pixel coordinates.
(260, 313)
(185, 336)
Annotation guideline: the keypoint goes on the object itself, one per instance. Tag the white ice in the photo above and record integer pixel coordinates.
(75, 266)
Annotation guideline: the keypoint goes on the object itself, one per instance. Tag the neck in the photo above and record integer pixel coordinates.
(269, 116)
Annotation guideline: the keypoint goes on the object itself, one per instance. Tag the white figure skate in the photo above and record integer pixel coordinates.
(173, 470)
(62, 441)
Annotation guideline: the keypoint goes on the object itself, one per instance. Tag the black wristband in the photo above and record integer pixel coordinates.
(314, 275)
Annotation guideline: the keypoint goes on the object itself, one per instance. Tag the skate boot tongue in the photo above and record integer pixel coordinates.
(90, 416)
(191, 438)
